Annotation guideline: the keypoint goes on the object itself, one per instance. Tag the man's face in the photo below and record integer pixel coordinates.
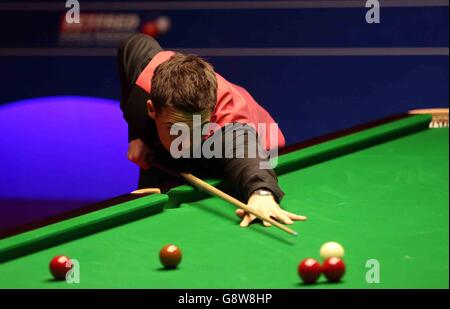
(164, 121)
(169, 118)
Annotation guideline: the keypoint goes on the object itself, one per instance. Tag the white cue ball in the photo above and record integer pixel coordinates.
(331, 249)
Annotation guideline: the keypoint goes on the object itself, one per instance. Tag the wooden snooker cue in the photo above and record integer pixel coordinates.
(147, 191)
(204, 186)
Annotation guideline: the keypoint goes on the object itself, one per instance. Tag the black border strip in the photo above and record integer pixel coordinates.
(303, 298)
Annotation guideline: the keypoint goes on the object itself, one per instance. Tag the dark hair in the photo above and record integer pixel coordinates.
(186, 83)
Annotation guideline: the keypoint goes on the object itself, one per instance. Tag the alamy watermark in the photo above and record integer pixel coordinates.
(373, 272)
(73, 12)
(73, 275)
(234, 140)
(373, 14)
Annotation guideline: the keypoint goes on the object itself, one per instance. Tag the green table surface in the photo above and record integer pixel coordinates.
(388, 201)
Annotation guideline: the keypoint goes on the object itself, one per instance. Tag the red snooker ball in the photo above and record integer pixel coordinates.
(170, 256)
(333, 268)
(59, 266)
(309, 270)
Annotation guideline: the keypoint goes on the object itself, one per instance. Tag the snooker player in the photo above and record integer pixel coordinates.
(162, 88)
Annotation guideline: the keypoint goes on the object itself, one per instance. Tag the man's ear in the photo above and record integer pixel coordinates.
(151, 109)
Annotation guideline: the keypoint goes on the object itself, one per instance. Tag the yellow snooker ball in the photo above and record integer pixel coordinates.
(331, 249)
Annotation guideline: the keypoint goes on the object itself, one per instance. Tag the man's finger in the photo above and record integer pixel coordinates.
(240, 213)
(272, 216)
(283, 218)
(294, 216)
(145, 165)
(266, 224)
(247, 220)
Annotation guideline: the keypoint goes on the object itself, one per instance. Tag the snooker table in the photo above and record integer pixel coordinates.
(382, 192)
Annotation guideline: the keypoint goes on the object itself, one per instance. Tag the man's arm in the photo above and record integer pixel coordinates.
(248, 177)
(137, 150)
(245, 171)
(132, 133)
